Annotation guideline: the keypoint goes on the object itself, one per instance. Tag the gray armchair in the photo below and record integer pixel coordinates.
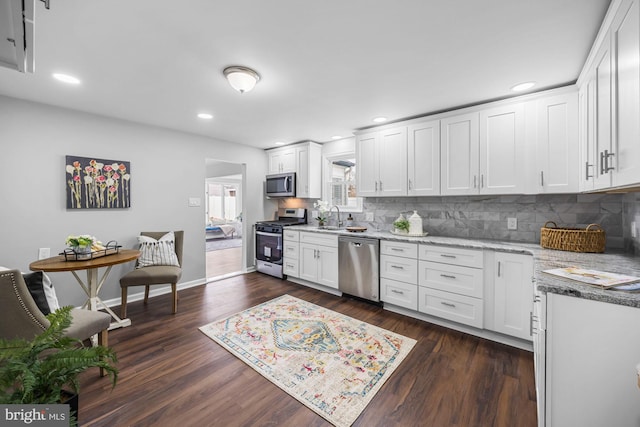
(154, 274)
(20, 317)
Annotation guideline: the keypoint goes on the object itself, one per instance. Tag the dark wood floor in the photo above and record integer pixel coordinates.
(171, 374)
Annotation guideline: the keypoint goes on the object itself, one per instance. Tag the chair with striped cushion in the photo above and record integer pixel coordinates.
(160, 263)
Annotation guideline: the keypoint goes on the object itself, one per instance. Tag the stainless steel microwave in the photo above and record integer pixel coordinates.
(281, 185)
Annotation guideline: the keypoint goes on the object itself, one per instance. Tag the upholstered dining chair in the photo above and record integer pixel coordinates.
(158, 273)
(20, 316)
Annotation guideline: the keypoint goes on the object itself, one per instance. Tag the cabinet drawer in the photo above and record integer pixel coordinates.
(398, 268)
(459, 308)
(456, 256)
(399, 293)
(324, 239)
(291, 235)
(389, 247)
(291, 250)
(290, 267)
(451, 278)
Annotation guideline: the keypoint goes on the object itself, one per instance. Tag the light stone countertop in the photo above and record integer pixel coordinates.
(544, 259)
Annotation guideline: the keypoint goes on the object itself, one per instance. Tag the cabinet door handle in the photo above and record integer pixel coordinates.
(409, 184)
(602, 160)
(498, 268)
(541, 178)
(399, 267)
(448, 304)
(607, 154)
(531, 323)
(376, 184)
(448, 276)
(380, 185)
(475, 178)
(397, 292)
(447, 256)
(481, 180)
(586, 170)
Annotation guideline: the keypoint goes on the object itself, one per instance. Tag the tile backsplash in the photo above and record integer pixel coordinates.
(485, 217)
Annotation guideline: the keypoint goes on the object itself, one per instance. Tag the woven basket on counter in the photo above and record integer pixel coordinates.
(589, 239)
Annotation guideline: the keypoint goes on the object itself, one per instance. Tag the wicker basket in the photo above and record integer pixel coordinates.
(590, 239)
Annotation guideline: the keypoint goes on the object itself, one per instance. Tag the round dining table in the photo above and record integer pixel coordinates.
(94, 281)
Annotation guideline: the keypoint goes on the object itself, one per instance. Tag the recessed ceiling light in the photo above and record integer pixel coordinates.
(279, 143)
(206, 116)
(379, 119)
(66, 78)
(523, 86)
(336, 137)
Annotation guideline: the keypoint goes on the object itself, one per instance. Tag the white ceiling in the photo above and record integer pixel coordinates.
(328, 67)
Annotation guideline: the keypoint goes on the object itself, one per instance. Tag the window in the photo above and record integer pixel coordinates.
(340, 182)
(222, 201)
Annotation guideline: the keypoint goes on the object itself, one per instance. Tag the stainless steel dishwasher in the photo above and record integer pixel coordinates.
(358, 273)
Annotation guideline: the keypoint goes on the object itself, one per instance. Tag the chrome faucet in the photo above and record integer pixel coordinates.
(338, 210)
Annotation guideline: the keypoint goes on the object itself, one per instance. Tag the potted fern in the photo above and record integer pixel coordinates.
(45, 369)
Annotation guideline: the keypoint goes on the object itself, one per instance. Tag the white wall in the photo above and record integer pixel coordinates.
(167, 168)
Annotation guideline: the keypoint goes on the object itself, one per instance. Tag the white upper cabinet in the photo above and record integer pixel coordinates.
(423, 159)
(625, 164)
(459, 154)
(381, 157)
(484, 152)
(282, 160)
(557, 144)
(610, 104)
(502, 150)
(305, 160)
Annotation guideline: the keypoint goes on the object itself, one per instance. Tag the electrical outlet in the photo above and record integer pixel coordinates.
(44, 253)
(634, 230)
(194, 202)
(512, 223)
(368, 216)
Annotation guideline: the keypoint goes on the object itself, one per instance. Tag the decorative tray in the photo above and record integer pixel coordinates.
(407, 234)
(356, 229)
(111, 248)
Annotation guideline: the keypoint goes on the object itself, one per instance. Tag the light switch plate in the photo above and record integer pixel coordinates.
(512, 223)
(44, 253)
(194, 202)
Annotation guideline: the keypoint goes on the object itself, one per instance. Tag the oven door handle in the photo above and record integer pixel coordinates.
(262, 233)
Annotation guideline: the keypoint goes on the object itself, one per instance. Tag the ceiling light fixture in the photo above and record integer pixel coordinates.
(66, 78)
(242, 79)
(279, 143)
(523, 86)
(336, 137)
(205, 116)
(379, 119)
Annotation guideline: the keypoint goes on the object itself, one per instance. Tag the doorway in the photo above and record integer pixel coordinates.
(224, 235)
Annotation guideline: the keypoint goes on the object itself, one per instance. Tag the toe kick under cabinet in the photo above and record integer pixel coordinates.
(451, 284)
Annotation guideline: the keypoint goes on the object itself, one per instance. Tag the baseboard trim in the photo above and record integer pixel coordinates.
(154, 292)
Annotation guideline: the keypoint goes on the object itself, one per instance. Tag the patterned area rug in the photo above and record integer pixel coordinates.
(330, 362)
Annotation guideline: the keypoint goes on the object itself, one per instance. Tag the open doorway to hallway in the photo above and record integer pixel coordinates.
(223, 219)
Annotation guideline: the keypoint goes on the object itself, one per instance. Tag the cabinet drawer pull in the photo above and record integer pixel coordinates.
(398, 267)
(447, 256)
(448, 276)
(397, 249)
(397, 292)
(448, 304)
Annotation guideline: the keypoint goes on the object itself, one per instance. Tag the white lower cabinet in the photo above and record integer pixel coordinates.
(291, 249)
(399, 274)
(592, 349)
(451, 288)
(318, 258)
(513, 295)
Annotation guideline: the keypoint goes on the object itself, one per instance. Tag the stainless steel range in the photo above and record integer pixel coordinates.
(269, 240)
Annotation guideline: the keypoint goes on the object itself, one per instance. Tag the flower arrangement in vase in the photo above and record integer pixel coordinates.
(83, 244)
(323, 208)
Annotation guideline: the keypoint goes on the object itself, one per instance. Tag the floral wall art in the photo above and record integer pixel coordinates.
(97, 183)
